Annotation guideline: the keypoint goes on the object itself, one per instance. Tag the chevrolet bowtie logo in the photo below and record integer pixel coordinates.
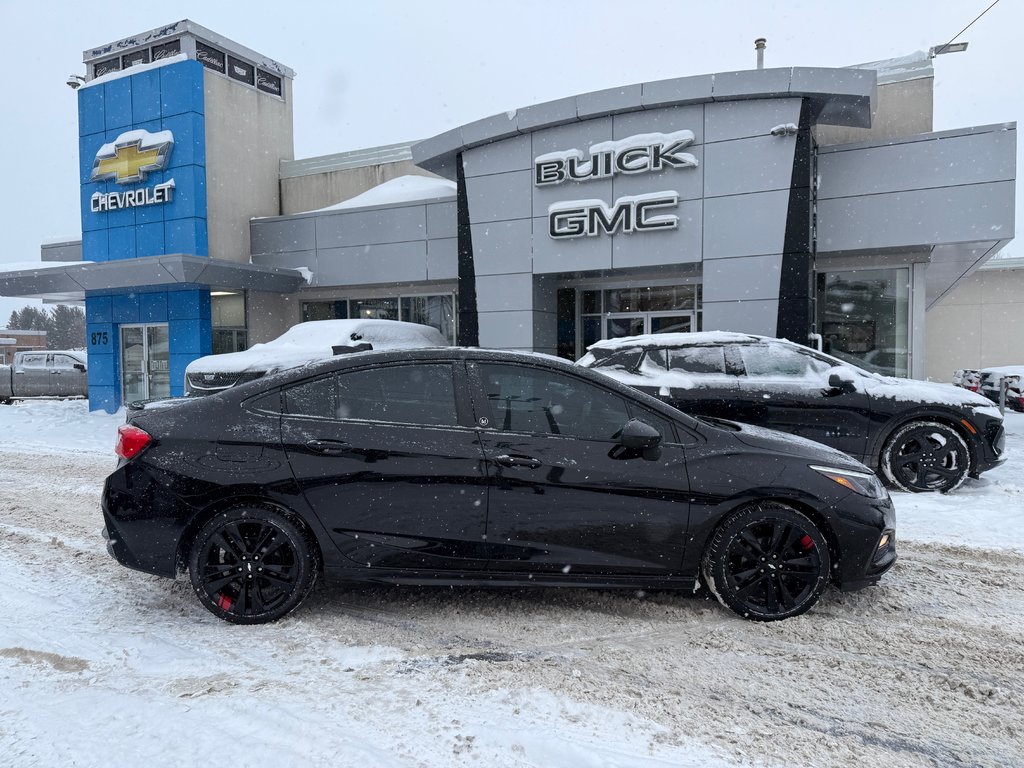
(132, 155)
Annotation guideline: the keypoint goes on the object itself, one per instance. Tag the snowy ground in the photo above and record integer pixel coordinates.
(101, 666)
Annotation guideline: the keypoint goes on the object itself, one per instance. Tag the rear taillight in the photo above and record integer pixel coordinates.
(131, 441)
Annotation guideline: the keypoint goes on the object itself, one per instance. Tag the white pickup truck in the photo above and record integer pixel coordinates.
(46, 373)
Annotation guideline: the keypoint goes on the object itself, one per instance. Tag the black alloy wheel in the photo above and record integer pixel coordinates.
(252, 565)
(926, 456)
(767, 562)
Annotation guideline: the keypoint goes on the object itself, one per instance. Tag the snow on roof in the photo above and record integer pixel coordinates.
(314, 340)
(134, 70)
(404, 189)
(676, 339)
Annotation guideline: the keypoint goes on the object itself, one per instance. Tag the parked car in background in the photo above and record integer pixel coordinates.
(968, 378)
(922, 436)
(991, 379)
(477, 467)
(52, 373)
(305, 343)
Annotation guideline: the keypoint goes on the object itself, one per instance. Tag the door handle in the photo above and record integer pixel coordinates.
(328, 447)
(527, 462)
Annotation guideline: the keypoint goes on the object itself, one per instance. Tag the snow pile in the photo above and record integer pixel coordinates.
(58, 427)
(404, 189)
(306, 342)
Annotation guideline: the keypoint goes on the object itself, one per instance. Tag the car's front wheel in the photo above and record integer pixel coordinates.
(926, 456)
(252, 565)
(767, 562)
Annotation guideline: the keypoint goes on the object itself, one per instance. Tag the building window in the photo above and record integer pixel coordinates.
(210, 57)
(166, 50)
(135, 57)
(268, 83)
(438, 311)
(241, 71)
(864, 318)
(101, 68)
(227, 317)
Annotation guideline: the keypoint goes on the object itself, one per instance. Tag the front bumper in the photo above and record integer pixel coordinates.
(867, 549)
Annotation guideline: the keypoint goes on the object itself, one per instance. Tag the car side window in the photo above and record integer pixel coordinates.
(64, 361)
(525, 399)
(33, 361)
(780, 362)
(397, 394)
(623, 359)
(706, 360)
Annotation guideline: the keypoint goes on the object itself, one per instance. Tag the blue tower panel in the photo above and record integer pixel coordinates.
(125, 308)
(91, 113)
(153, 307)
(189, 139)
(98, 309)
(149, 239)
(95, 245)
(122, 243)
(117, 103)
(145, 97)
(181, 88)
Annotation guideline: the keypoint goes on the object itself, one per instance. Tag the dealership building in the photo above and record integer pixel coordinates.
(808, 203)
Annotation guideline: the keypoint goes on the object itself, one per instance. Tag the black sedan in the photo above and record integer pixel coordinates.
(461, 466)
(922, 436)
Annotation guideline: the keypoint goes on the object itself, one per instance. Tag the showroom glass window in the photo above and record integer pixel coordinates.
(227, 318)
(397, 394)
(864, 317)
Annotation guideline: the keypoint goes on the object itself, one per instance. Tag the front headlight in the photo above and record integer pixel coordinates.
(864, 483)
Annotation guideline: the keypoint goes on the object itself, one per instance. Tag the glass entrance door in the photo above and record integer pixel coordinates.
(145, 362)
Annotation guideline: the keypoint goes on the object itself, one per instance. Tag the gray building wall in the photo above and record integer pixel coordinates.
(977, 324)
(951, 193)
(407, 244)
(322, 188)
(902, 108)
(248, 133)
(732, 217)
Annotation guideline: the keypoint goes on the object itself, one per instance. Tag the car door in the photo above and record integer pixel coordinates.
(786, 388)
(390, 463)
(32, 376)
(695, 379)
(566, 499)
(64, 378)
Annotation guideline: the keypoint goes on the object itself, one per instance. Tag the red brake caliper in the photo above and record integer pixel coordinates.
(224, 602)
(807, 542)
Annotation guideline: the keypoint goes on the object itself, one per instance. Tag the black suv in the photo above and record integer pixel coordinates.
(922, 436)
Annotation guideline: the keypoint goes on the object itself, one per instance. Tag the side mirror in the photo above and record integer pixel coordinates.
(639, 435)
(842, 383)
(79, 367)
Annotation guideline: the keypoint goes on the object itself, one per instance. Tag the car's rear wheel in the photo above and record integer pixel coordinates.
(926, 456)
(767, 562)
(251, 565)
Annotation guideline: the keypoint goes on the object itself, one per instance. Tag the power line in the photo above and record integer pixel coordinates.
(941, 48)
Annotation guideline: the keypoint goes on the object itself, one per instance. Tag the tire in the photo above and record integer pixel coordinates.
(767, 562)
(252, 565)
(926, 456)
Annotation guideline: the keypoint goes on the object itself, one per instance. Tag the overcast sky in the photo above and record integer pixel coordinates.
(388, 71)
